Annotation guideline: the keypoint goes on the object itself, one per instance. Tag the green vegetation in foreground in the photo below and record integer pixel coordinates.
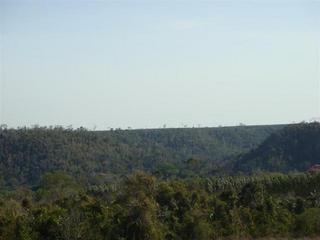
(143, 207)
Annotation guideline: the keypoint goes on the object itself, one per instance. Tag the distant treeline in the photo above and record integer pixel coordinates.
(143, 207)
(26, 154)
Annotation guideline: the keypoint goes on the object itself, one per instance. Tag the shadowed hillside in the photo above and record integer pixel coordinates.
(294, 148)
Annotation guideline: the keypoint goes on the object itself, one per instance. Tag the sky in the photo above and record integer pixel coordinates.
(145, 64)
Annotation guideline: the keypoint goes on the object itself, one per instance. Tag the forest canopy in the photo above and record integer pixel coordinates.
(178, 184)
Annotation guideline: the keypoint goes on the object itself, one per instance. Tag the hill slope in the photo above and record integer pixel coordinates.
(25, 154)
(294, 148)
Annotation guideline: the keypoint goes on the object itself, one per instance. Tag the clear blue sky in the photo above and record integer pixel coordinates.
(147, 63)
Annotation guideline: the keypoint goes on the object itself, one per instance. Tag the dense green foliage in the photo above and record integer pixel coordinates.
(25, 154)
(143, 207)
(76, 184)
(293, 148)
